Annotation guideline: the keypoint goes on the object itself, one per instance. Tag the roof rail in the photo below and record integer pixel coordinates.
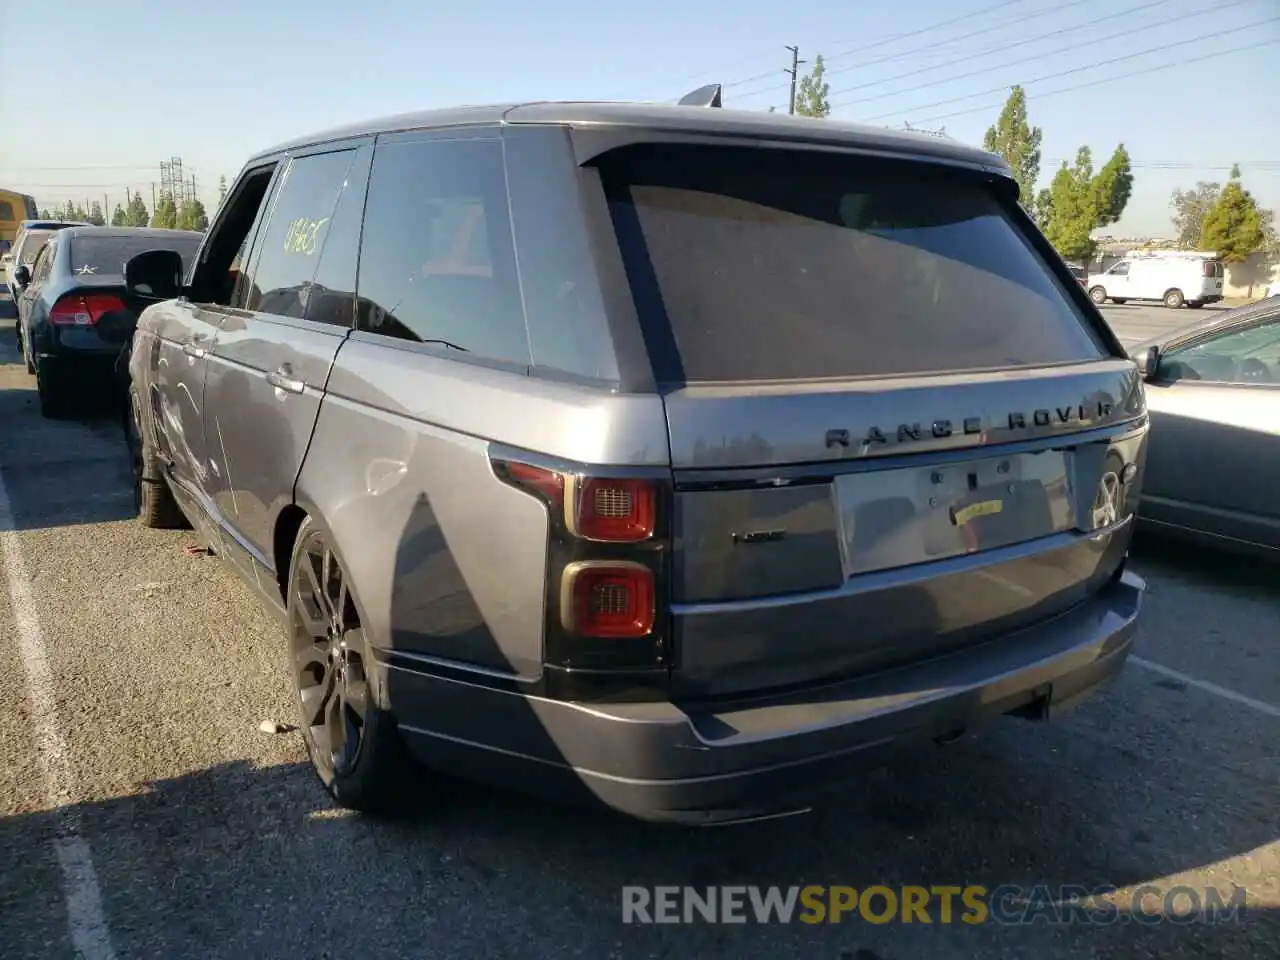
(708, 96)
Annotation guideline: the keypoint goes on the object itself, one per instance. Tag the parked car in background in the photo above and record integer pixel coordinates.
(548, 433)
(30, 237)
(1213, 463)
(1081, 275)
(77, 278)
(1173, 277)
(7, 307)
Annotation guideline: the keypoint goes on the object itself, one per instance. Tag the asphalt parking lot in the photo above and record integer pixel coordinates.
(1135, 322)
(143, 813)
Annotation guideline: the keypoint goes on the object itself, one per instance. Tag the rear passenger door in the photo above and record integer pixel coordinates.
(270, 362)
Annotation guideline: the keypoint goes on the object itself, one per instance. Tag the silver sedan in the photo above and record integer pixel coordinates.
(1213, 460)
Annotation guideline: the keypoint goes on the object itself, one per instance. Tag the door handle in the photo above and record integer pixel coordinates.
(283, 379)
(194, 346)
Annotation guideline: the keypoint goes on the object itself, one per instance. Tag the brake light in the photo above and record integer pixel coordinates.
(607, 572)
(607, 599)
(546, 482)
(84, 309)
(614, 511)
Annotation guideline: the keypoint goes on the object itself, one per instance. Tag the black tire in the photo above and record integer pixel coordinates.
(1173, 299)
(157, 508)
(55, 404)
(1098, 295)
(353, 742)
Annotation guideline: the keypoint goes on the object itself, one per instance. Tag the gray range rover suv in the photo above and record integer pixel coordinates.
(668, 456)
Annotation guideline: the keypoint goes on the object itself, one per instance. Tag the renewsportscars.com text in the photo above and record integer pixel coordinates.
(973, 904)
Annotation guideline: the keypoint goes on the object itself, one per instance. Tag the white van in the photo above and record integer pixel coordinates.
(1173, 277)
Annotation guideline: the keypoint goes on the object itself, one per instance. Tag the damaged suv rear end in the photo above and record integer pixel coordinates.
(905, 455)
(846, 459)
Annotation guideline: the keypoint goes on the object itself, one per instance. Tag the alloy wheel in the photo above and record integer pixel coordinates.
(329, 659)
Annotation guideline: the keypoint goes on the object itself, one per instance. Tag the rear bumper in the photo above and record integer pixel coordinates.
(699, 763)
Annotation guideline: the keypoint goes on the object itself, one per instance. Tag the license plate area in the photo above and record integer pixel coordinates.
(896, 518)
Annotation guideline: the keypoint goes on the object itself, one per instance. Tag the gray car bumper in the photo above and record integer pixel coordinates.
(698, 763)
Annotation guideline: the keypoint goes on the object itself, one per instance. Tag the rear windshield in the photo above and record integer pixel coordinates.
(32, 241)
(106, 255)
(770, 264)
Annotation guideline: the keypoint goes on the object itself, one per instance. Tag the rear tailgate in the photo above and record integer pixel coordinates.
(893, 429)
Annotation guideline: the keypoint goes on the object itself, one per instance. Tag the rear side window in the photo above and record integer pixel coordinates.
(782, 265)
(31, 243)
(436, 261)
(106, 254)
(294, 238)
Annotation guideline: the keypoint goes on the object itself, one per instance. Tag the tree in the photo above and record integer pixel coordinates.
(1043, 210)
(166, 213)
(1112, 188)
(222, 187)
(1073, 209)
(1019, 143)
(95, 215)
(811, 97)
(191, 216)
(136, 215)
(1190, 208)
(1234, 227)
(45, 214)
(118, 217)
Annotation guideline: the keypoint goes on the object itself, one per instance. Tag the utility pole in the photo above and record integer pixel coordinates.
(795, 68)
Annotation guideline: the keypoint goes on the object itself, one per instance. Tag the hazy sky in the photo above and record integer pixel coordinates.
(94, 95)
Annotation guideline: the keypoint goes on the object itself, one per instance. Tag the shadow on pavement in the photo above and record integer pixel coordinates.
(236, 861)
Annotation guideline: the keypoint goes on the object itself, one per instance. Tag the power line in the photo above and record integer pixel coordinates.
(902, 54)
(1106, 80)
(884, 41)
(863, 48)
(964, 36)
(1004, 48)
(90, 166)
(1028, 59)
(1089, 66)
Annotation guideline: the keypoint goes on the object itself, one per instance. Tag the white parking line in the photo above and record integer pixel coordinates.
(1261, 706)
(85, 917)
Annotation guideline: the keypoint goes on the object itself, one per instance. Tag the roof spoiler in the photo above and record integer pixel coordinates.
(708, 96)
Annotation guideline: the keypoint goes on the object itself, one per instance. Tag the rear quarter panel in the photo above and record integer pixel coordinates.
(449, 562)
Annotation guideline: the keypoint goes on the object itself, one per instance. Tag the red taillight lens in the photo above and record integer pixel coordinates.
(546, 482)
(84, 309)
(609, 599)
(613, 510)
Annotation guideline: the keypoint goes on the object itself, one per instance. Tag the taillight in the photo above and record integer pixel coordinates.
(84, 309)
(607, 598)
(612, 510)
(607, 570)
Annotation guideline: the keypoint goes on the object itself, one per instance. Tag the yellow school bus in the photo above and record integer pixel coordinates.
(14, 208)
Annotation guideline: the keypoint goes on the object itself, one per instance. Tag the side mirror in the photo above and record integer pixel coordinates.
(1148, 362)
(154, 275)
(21, 276)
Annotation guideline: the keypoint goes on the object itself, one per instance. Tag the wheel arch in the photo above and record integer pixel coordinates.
(285, 535)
